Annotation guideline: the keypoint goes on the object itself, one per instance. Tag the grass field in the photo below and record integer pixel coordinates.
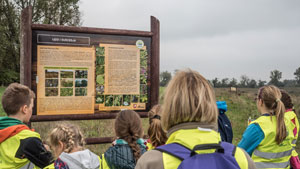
(241, 106)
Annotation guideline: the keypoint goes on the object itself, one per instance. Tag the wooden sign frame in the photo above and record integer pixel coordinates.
(28, 62)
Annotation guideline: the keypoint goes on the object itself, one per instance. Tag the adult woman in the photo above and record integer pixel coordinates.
(190, 116)
(266, 138)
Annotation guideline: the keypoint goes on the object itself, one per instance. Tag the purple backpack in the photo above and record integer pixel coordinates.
(222, 158)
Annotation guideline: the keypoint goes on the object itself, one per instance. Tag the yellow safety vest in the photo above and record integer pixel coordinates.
(290, 115)
(103, 164)
(9, 148)
(268, 154)
(150, 146)
(192, 137)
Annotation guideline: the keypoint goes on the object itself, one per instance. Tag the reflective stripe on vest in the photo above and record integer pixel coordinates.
(272, 165)
(269, 154)
(294, 141)
(272, 155)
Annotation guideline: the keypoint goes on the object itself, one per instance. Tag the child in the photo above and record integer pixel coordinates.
(129, 146)
(293, 126)
(190, 116)
(67, 141)
(157, 136)
(266, 139)
(20, 147)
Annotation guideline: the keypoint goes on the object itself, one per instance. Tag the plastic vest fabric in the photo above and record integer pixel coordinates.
(8, 150)
(150, 146)
(191, 137)
(268, 154)
(293, 125)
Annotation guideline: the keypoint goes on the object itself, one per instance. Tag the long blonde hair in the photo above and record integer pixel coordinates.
(271, 98)
(68, 134)
(128, 126)
(189, 97)
(156, 133)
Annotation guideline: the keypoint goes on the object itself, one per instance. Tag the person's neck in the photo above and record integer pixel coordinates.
(75, 149)
(17, 116)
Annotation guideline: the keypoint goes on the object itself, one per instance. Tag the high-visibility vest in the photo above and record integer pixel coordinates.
(9, 148)
(268, 154)
(191, 137)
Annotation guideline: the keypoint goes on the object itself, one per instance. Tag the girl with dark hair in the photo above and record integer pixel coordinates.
(129, 146)
(267, 139)
(290, 115)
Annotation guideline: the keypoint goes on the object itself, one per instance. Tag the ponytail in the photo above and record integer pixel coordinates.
(156, 133)
(132, 142)
(128, 126)
(281, 132)
(271, 97)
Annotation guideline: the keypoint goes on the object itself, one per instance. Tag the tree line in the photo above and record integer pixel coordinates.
(59, 12)
(245, 81)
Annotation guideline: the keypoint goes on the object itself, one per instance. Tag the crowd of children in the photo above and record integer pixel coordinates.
(182, 133)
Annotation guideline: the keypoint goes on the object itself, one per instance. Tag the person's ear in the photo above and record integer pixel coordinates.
(61, 145)
(24, 108)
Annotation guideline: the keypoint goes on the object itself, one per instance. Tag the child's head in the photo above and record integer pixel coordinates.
(269, 98)
(286, 100)
(155, 131)
(18, 98)
(128, 126)
(66, 138)
(189, 97)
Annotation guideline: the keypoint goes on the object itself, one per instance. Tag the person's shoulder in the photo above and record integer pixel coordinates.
(150, 159)
(29, 133)
(243, 159)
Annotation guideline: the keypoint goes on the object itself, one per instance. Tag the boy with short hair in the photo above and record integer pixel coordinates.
(20, 147)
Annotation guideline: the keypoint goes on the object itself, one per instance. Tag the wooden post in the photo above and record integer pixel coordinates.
(26, 46)
(154, 65)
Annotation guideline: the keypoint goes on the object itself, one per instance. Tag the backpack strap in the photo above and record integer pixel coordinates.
(175, 149)
(181, 152)
(230, 149)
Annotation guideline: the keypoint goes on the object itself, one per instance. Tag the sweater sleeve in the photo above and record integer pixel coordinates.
(252, 137)
(33, 149)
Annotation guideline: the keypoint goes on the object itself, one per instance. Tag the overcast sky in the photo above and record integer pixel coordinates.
(218, 38)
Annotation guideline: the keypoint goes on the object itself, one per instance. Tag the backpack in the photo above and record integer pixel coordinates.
(222, 158)
(224, 124)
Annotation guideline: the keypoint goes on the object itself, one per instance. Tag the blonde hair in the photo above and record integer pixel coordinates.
(189, 97)
(271, 98)
(156, 133)
(128, 126)
(68, 134)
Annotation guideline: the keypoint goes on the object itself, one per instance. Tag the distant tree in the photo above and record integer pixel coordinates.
(175, 71)
(216, 82)
(297, 76)
(233, 82)
(244, 81)
(289, 83)
(261, 83)
(225, 82)
(252, 84)
(165, 77)
(60, 12)
(275, 77)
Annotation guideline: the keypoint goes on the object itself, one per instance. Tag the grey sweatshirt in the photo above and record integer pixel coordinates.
(84, 159)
